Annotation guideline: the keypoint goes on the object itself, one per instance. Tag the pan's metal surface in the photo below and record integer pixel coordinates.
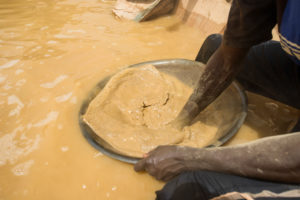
(179, 68)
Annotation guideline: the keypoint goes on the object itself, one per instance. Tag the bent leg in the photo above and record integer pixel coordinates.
(209, 46)
(267, 70)
(208, 185)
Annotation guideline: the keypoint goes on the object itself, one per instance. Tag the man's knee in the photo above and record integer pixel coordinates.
(189, 185)
(209, 46)
(207, 185)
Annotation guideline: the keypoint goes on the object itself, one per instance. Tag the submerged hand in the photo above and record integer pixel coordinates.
(186, 115)
(218, 74)
(165, 162)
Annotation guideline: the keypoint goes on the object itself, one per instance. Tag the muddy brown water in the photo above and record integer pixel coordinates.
(52, 53)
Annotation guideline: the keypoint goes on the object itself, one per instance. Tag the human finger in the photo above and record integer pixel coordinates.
(140, 166)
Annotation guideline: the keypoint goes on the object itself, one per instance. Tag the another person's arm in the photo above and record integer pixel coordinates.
(274, 158)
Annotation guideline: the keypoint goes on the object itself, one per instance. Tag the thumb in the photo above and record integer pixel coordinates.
(140, 166)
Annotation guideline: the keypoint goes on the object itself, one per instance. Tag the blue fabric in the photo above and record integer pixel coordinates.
(290, 30)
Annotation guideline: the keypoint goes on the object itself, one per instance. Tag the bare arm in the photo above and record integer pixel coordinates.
(218, 74)
(274, 158)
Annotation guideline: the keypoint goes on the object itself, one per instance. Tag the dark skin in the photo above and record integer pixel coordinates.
(219, 73)
(274, 158)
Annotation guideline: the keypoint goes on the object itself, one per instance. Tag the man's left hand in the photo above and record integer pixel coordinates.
(165, 162)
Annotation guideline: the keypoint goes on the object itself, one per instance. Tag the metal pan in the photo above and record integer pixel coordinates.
(230, 106)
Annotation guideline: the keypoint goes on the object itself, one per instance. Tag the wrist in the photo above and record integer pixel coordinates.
(196, 159)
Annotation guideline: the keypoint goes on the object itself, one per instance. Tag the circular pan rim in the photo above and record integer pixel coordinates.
(92, 137)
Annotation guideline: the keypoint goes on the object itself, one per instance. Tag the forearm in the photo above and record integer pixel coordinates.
(220, 71)
(274, 158)
(218, 74)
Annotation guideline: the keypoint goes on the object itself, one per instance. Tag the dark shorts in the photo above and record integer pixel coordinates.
(204, 185)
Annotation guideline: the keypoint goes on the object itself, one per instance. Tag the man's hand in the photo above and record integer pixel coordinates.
(165, 162)
(275, 158)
